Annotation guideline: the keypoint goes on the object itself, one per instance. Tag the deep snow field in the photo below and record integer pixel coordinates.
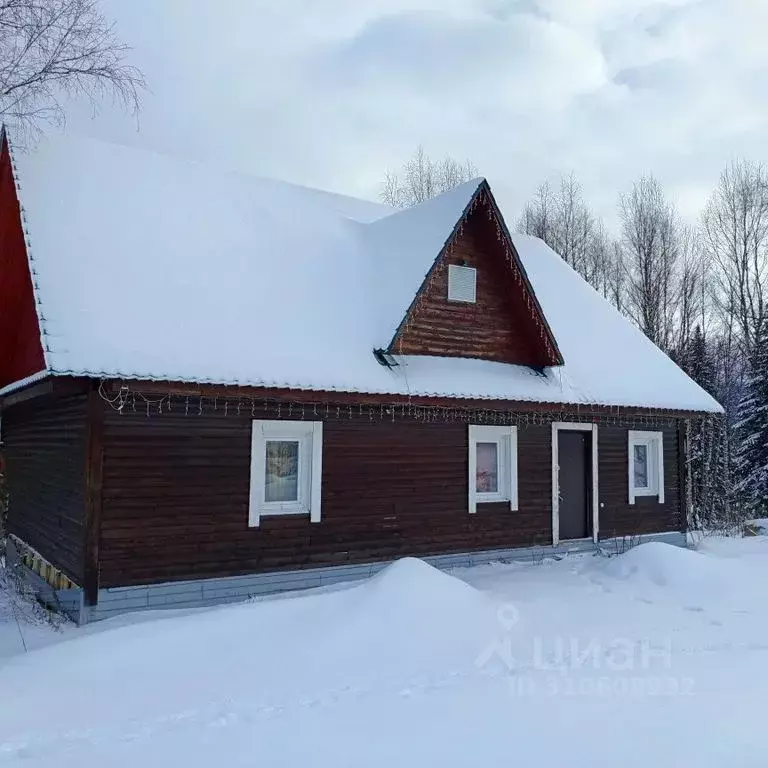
(657, 657)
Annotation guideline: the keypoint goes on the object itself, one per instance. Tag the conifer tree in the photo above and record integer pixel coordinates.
(698, 364)
(705, 456)
(752, 430)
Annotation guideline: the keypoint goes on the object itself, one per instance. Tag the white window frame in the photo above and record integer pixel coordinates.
(655, 451)
(506, 451)
(309, 435)
(455, 273)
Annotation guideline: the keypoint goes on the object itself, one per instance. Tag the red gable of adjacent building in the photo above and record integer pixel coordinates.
(21, 353)
(505, 322)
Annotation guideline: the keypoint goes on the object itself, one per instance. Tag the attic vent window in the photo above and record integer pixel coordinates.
(462, 283)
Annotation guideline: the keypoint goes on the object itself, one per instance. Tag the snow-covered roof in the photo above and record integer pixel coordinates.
(151, 267)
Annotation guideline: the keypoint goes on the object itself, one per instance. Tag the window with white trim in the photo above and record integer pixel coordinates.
(492, 465)
(646, 464)
(286, 469)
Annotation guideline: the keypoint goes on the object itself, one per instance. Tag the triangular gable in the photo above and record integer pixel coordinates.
(505, 323)
(21, 351)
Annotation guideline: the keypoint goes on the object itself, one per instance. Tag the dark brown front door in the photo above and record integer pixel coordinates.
(574, 458)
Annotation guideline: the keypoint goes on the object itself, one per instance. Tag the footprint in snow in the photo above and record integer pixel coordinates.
(311, 702)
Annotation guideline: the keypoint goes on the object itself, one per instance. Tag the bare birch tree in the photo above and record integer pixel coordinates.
(649, 238)
(539, 216)
(690, 299)
(560, 216)
(596, 257)
(53, 49)
(574, 228)
(422, 178)
(605, 270)
(616, 277)
(735, 231)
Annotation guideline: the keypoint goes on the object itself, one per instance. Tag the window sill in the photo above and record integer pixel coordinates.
(278, 513)
(491, 499)
(646, 492)
(493, 507)
(284, 511)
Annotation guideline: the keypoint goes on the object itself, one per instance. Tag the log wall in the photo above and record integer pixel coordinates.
(45, 451)
(176, 488)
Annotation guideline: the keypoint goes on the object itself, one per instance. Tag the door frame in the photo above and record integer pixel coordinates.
(579, 427)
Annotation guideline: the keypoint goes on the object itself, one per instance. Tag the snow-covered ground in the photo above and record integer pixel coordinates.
(658, 657)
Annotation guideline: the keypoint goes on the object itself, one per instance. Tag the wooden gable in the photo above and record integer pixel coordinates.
(21, 353)
(504, 324)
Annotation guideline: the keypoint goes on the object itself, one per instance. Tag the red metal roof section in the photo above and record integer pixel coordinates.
(21, 353)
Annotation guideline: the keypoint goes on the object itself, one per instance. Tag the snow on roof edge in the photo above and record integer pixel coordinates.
(25, 382)
(298, 387)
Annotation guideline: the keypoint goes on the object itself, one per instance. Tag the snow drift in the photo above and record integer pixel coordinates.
(406, 621)
(680, 573)
(411, 610)
(665, 566)
(386, 672)
(412, 592)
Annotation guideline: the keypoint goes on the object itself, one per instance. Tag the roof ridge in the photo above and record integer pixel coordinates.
(216, 166)
(473, 184)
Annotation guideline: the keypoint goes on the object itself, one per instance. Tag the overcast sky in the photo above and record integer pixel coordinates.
(331, 93)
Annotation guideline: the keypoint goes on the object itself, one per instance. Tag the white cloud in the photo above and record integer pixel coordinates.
(333, 93)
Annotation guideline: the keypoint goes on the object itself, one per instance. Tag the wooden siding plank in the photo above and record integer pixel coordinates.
(94, 460)
(45, 450)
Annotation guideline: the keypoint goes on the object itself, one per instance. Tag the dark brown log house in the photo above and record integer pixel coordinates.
(477, 427)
